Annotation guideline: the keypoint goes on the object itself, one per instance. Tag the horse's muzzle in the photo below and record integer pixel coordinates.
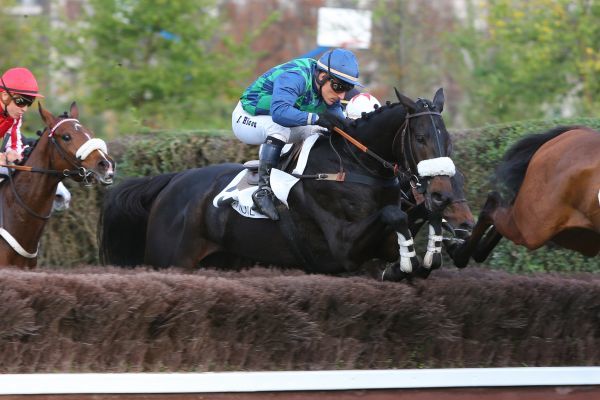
(105, 171)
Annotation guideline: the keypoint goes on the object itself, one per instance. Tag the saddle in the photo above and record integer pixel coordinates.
(238, 193)
(289, 155)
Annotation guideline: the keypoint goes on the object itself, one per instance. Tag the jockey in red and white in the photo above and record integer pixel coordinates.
(18, 90)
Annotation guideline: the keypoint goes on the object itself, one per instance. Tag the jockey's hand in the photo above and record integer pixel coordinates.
(329, 121)
(12, 156)
(319, 130)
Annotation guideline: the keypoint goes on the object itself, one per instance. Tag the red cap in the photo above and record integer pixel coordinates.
(19, 80)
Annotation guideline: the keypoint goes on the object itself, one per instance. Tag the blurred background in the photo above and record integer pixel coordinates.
(138, 66)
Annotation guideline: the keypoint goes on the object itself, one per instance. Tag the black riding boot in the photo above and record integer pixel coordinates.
(264, 198)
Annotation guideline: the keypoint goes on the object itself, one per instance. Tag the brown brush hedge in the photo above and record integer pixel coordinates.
(114, 320)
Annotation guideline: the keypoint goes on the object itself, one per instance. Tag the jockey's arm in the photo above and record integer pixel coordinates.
(288, 87)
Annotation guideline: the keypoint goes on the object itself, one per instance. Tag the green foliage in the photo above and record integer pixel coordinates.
(156, 64)
(532, 60)
(22, 45)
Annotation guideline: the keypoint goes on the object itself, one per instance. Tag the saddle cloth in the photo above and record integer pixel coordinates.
(238, 193)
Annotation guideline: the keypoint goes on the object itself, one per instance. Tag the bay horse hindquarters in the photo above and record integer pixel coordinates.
(554, 179)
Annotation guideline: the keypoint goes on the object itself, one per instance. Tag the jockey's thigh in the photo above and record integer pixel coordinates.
(254, 129)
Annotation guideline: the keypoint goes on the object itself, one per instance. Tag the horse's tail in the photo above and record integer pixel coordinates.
(510, 172)
(124, 217)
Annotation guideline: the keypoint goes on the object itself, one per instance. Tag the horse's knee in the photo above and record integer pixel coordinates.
(394, 217)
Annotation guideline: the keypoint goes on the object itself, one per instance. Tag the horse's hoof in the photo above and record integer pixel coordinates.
(393, 273)
(422, 272)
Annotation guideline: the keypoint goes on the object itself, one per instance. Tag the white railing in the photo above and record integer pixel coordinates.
(212, 382)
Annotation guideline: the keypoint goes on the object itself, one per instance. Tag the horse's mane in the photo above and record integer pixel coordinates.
(510, 172)
(33, 142)
(366, 117)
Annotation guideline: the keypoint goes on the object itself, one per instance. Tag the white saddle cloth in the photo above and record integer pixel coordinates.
(239, 193)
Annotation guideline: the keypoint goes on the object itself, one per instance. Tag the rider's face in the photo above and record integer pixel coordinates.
(14, 110)
(330, 96)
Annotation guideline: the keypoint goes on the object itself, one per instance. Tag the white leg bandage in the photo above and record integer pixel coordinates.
(405, 253)
(432, 247)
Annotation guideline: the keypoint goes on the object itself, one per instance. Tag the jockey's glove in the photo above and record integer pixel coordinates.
(329, 121)
(319, 130)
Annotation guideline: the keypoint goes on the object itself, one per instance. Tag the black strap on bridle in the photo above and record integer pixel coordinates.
(79, 171)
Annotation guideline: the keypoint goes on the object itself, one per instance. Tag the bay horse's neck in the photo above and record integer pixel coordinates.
(36, 191)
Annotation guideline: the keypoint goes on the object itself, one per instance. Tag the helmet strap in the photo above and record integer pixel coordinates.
(4, 106)
(322, 82)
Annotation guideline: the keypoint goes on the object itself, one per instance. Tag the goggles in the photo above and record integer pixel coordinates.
(22, 100)
(340, 87)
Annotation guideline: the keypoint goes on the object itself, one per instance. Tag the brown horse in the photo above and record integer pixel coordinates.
(65, 149)
(553, 183)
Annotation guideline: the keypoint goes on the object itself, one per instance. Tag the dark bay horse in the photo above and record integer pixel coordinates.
(65, 148)
(551, 193)
(331, 226)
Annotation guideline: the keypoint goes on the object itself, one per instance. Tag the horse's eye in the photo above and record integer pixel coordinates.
(66, 138)
(421, 139)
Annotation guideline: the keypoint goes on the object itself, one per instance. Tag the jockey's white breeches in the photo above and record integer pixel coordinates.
(254, 129)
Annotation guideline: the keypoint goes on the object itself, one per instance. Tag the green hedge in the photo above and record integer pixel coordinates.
(70, 238)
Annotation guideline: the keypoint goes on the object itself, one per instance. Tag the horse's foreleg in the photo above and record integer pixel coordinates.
(408, 262)
(433, 256)
(417, 216)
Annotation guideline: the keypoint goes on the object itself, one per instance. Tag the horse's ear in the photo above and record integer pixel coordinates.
(410, 105)
(46, 115)
(74, 111)
(438, 99)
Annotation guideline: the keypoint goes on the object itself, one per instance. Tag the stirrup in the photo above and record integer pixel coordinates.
(264, 201)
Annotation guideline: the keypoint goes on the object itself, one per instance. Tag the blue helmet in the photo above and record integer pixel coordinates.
(341, 64)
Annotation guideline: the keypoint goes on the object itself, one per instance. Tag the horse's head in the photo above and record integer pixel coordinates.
(75, 150)
(424, 149)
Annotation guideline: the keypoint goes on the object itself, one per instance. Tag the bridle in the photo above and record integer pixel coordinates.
(78, 170)
(410, 162)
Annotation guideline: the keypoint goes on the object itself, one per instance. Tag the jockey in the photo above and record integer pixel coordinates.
(288, 103)
(18, 90)
(361, 103)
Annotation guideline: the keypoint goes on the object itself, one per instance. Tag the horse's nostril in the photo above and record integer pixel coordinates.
(104, 164)
(440, 199)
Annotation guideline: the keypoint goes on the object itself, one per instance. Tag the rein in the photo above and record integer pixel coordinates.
(89, 146)
(365, 149)
(404, 128)
(65, 172)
